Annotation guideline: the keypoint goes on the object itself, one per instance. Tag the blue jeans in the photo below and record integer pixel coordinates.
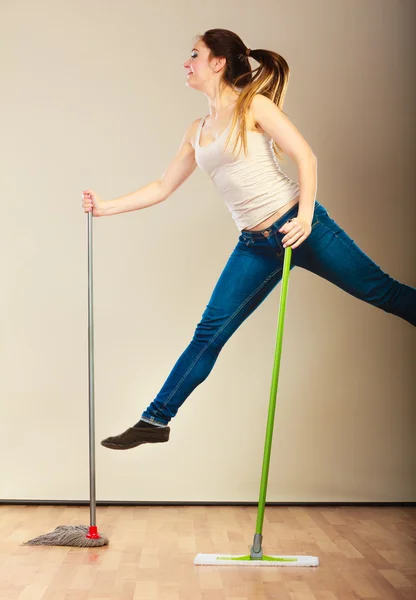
(252, 271)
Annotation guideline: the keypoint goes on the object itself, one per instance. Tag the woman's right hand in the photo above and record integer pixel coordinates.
(91, 201)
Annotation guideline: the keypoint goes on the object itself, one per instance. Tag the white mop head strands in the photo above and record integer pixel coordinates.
(266, 561)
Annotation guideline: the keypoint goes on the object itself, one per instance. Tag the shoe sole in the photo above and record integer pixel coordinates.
(129, 446)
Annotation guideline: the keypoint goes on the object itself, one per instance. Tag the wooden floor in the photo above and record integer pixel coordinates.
(364, 552)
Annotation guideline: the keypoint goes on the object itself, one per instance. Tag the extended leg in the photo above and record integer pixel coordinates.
(243, 285)
(245, 282)
(332, 254)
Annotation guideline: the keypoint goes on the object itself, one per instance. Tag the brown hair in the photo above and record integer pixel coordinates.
(269, 79)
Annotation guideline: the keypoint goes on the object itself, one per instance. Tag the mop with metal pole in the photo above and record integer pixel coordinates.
(256, 556)
(81, 535)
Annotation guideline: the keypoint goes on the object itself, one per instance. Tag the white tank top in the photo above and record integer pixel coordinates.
(253, 186)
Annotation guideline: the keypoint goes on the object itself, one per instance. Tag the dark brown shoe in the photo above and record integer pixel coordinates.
(134, 436)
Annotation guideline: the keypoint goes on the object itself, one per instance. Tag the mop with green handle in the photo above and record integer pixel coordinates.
(256, 556)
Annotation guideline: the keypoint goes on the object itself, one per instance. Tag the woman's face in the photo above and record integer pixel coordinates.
(196, 63)
(198, 66)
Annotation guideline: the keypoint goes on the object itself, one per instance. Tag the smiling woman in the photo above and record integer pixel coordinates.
(246, 107)
(221, 52)
(271, 211)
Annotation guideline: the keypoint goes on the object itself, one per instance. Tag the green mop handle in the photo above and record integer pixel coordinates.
(273, 391)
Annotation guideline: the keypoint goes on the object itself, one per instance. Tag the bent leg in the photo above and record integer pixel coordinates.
(330, 253)
(247, 279)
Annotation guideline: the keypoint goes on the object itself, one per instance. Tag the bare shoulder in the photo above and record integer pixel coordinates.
(279, 127)
(259, 105)
(189, 135)
(260, 102)
(191, 131)
(263, 109)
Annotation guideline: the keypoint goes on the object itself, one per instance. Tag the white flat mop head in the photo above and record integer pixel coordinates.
(267, 561)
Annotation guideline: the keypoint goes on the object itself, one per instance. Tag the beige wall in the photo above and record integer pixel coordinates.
(94, 96)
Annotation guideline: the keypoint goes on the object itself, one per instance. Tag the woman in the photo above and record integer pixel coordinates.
(271, 211)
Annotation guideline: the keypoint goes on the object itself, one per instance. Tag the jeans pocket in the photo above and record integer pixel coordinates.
(315, 220)
(316, 216)
(245, 240)
(264, 247)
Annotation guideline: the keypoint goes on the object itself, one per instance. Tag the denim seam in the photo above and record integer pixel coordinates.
(218, 332)
(349, 246)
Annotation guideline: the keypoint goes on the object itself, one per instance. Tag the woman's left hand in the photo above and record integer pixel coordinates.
(296, 230)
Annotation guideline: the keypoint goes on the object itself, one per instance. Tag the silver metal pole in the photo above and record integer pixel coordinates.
(91, 375)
